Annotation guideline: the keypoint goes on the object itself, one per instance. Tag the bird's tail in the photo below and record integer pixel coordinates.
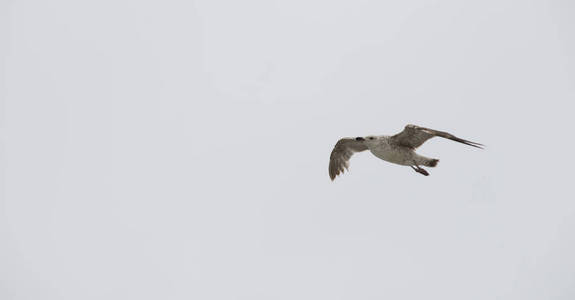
(431, 162)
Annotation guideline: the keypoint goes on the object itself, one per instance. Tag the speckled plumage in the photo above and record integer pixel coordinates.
(398, 149)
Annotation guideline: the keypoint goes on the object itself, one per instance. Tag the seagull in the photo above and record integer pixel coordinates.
(398, 149)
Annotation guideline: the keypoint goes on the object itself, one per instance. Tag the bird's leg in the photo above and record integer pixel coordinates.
(420, 170)
(423, 171)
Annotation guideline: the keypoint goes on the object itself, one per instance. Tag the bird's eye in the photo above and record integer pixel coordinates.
(371, 138)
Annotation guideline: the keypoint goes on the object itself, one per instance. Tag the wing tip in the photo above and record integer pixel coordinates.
(476, 145)
(335, 172)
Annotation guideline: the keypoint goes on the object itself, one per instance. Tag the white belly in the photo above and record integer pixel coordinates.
(398, 156)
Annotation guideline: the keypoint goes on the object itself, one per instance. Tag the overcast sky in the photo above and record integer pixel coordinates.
(179, 149)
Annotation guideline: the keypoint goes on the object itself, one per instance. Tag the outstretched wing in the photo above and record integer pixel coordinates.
(414, 136)
(341, 153)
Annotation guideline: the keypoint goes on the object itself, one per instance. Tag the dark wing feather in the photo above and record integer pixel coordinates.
(341, 153)
(414, 136)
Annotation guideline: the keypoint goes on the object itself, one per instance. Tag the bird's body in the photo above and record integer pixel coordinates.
(398, 149)
(385, 149)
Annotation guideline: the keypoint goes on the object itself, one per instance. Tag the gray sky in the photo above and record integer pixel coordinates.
(179, 150)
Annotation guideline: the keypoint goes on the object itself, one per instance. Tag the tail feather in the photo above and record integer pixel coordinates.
(431, 162)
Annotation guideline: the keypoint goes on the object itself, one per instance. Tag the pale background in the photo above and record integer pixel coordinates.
(179, 149)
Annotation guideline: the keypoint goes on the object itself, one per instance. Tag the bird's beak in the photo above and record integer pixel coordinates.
(359, 139)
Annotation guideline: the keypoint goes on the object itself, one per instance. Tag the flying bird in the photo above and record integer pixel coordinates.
(398, 149)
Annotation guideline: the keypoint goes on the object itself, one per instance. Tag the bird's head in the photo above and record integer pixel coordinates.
(368, 140)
